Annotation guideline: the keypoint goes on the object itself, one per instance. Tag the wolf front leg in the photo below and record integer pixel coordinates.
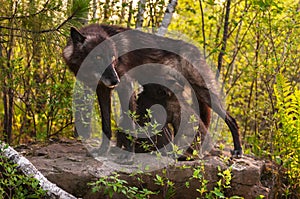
(104, 99)
(83, 106)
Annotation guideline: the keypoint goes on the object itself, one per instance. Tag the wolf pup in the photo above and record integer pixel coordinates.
(134, 48)
(153, 94)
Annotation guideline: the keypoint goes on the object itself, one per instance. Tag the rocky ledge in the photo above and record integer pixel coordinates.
(68, 165)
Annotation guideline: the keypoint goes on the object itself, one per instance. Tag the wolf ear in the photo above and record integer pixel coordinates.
(76, 36)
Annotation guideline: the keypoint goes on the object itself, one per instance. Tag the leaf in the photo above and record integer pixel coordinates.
(218, 193)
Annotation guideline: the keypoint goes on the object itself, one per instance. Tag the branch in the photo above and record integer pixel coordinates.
(61, 129)
(29, 170)
(41, 31)
(29, 15)
(167, 18)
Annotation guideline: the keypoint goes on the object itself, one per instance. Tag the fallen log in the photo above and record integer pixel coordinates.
(28, 169)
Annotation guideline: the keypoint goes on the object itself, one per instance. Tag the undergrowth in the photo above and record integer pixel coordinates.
(286, 140)
(114, 185)
(13, 184)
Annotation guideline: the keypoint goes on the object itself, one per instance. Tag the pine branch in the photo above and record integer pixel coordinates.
(40, 31)
(29, 15)
(77, 8)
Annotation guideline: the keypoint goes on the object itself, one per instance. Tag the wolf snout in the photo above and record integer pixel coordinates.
(110, 83)
(110, 77)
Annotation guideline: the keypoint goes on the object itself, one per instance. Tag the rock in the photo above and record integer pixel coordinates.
(69, 166)
(249, 191)
(247, 171)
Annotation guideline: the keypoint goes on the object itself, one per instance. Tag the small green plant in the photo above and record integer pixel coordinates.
(221, 185)
(15, 185)
(167, 184)
(198, 174)
(113, 184)
(149, 129)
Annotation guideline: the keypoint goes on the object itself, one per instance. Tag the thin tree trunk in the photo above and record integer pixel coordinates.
(224, 40)
(94, 9)
(129, 14)
(106, 9)
(167, 18)
(203, 28)
(140, 14)
(8, 93)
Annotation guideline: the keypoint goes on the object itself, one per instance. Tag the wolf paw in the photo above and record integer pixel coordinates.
(125, 159)
(102, 151)
(237, 153)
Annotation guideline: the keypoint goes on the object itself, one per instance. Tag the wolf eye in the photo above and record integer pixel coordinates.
(98, 57)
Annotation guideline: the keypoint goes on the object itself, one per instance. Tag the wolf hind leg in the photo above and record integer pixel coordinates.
(127, 99)
(212, 100)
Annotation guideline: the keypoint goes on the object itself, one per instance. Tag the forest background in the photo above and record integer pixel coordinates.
(254, 44)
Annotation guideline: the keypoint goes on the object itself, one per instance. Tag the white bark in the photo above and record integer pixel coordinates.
(29, 170)
(167, 18)
(140, 14)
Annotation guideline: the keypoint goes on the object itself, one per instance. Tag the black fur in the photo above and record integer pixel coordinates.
(190, 64)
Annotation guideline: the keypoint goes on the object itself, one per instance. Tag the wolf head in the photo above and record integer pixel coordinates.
(100, 64)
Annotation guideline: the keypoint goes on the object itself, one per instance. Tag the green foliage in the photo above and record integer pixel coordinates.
(36, 86)
(222, 184)
(166, 184)
(113, 184)
(149, 129)
(198, 174)
(15, 185)
(260, 44)
(286, 141)
(220, 187)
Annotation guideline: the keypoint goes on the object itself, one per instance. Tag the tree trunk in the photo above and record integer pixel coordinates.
(140, 14)
(224, 40)
(8, 93)
(167, 18)
(203, 28)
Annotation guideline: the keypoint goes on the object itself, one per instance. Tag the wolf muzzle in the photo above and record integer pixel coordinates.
(110, 77)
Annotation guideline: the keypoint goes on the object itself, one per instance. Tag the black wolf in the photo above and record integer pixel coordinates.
(134, 48)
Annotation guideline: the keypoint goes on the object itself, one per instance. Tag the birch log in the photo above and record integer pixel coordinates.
(29, 170)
